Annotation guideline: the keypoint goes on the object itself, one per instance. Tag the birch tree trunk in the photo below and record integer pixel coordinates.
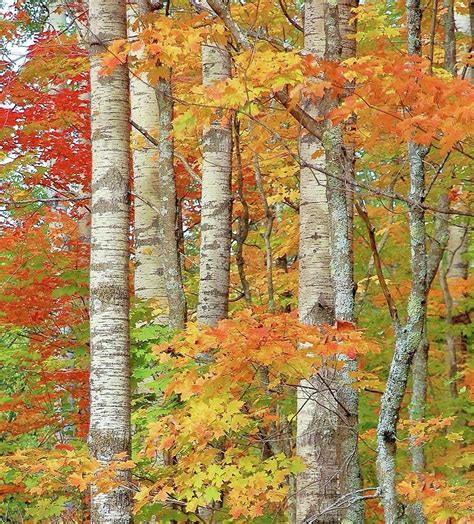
(109, 431)
(333, 470)
(216, 201)
(456, 267)
(317, 423)
(148, 278)
(410, 335)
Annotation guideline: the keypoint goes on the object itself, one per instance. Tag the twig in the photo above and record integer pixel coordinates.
(378, 263)
(18, 203)
(343, 502)
(188, 167)
(293, 22)
(243, 220)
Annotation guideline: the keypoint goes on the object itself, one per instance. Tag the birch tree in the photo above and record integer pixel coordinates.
(167, 207)
(158, 272)
(109, 432)
(148, 277)
(216, 201)
(317, 440)
(456, 268)
(327, 426)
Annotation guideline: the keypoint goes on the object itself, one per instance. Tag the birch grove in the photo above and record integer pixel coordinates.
(275, 320)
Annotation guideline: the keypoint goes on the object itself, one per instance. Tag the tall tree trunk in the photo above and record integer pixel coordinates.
(334, 469)
(216, 201)
(109, 431)
(341, 160)
(456, 267)
(148, 278)
(417, 406)
(410, 335)
(168, 218)
(158, 275)
(449, 37)
(317, 441)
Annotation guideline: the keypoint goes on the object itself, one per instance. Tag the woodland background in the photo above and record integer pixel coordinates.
(268, 318)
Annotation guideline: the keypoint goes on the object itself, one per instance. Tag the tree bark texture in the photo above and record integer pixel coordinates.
(317, 439)
(216, 201)
(456, 268)
(417, 407)
(167, 206)
(449, 37)
(410, 335)
(148, 278)
(340, 162)
(109, 431)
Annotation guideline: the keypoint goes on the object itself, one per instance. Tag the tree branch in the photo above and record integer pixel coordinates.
(293, 22)
(378, 263)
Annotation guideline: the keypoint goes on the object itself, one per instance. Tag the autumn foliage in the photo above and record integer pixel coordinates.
(214, 409)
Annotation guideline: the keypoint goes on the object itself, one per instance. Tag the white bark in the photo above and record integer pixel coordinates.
(456, 267)
(109, 431)
(317, 424)
(148, 278)
(216, 201)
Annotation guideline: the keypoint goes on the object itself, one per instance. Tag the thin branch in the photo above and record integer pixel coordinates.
(19, 203)
(156, 143)
(188, 167)
(222, 11)
(145, 133)
(243, 220)
(293, 22)
(378, 263)
(344, 502)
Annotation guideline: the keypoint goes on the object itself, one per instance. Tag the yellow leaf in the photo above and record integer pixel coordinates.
(454, 437)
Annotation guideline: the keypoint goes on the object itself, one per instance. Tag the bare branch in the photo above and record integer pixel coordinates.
(378, 263)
